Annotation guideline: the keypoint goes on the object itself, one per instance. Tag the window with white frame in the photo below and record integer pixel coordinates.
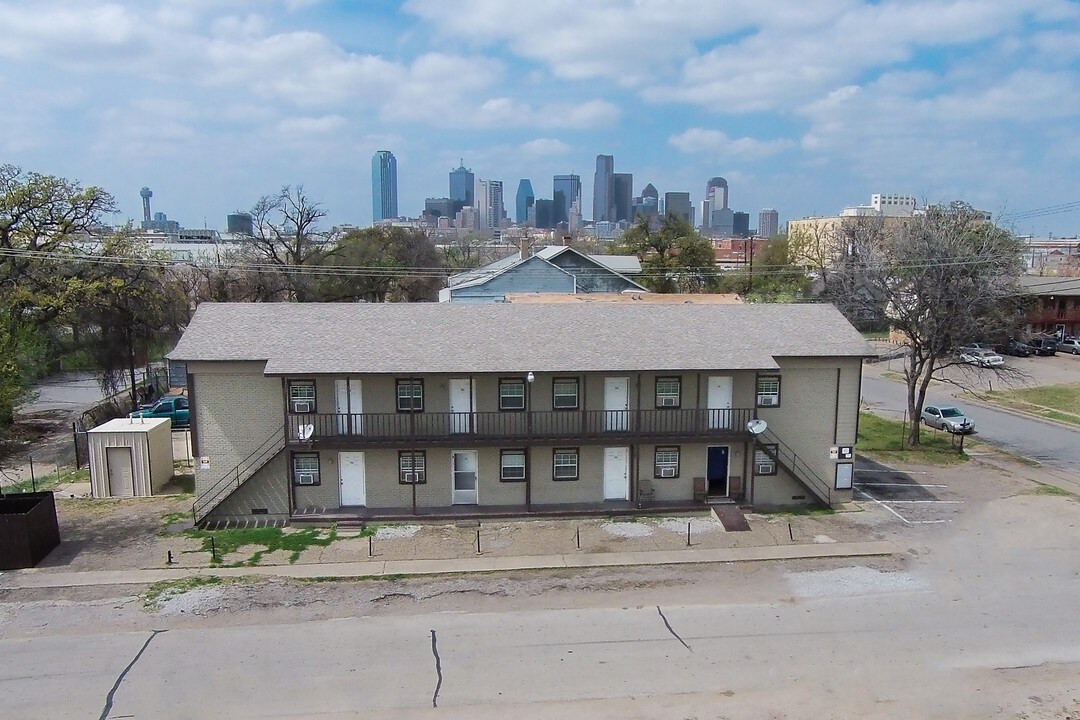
(666, 462)
(565, 464)
(306, 469)
(763, 460)
(564, 394)
(768, 391)
(410, 395)
(511, 394)
(512, 464)
(412, 467)
(668, 392)
(301, 396)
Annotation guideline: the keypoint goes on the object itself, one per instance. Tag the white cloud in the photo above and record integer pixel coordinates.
(307, 126)
(715, 142)
(543, 147)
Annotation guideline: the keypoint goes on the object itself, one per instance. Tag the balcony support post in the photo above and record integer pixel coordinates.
(528, 447)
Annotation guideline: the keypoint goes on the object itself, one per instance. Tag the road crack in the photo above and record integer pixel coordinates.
(672, 630)
(438, 669)
(120, 678)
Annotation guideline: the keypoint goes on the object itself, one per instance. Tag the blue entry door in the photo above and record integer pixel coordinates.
(716, 470)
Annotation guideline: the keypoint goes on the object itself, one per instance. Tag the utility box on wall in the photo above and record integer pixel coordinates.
(130, 457)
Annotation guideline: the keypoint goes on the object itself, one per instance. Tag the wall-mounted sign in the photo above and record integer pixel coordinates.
(204, 462)
(844, 474)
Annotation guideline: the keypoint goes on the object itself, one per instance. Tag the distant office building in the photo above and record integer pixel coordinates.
(489, 195)
(624, 197)
(566, 191)
(435, 208)
(893, 205)
(678, 205)
(462, 187)
(524, 202)
(545, 214)
(240, 224)
(768, 223)
(603, 208)
(384, 186)
(716, 199)
(647, 206)
(741, 225)
(467, 218)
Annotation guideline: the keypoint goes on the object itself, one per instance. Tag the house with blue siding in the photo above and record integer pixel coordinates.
(552, 269)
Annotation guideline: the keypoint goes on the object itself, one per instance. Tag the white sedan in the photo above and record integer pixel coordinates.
(949, 419)
(982, 358)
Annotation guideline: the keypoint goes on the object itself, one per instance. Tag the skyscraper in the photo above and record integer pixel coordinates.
(489, 195)
(716, 199)
(525, 200)
(462, 184)
(768, 223)
(647, 206)
(740, 224)
(603, 206)
(544, 219)
(624, 196)
(678, 205)
(567, 191)
(383, 186)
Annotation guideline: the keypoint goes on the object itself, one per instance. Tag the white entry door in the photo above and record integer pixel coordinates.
(464, 469)
(462, 405)
(720, 415)
(616, 403)
(617, 473)
(349, 406)
(121, 475)
(353, 479)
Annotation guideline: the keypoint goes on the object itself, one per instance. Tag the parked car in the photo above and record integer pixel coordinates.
(1043, 346)
(950, 419)
(981, 358)
(1071, 346)
(1014, 348)
(174, 407)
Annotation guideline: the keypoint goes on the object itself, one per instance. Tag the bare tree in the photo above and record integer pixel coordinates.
(286, 235)
(944, 278)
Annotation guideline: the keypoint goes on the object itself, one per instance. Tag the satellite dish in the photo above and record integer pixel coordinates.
(304, 432)
(756, 427)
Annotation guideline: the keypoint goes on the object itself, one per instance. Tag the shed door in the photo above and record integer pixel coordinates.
(121, 477)
(720, 402)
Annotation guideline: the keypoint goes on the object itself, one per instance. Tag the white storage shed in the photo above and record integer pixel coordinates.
(130, 457)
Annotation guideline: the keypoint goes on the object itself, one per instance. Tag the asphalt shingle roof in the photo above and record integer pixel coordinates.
(308, 338)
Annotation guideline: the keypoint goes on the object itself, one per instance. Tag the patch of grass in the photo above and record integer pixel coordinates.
(1061, 417)
(225, 542)
(185, 482)
(165, 589)
(1054, 402)
(41, 483)
(1051, 490)
(172, 518)
(887, 439)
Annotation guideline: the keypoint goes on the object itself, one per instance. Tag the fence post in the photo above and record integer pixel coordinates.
(75, 441)
(33, 479)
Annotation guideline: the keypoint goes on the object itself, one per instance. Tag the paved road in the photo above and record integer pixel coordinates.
(74, 391)
(1053, 445)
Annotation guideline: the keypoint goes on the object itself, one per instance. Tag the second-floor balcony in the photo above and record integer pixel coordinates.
(411, 429)
(1054, 315)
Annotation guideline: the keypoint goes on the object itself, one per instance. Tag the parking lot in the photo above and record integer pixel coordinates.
(913, 498)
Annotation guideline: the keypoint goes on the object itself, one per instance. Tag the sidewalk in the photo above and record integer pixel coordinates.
(19, 579)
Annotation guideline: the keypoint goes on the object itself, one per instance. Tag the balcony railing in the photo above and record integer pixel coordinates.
(404, 428)
(1070, 315)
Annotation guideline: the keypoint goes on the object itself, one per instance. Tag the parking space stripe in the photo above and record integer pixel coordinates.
(871, 497)
(885, 484)
(939, 502)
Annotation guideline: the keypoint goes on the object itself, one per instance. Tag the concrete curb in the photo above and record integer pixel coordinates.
(34, 578)
(1018, 413)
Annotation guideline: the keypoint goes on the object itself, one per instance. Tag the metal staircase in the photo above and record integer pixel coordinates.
(784, 456)
(231, 481)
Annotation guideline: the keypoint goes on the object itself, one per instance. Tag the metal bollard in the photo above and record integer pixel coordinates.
(213, 549)
(370, 546)
(790, 533)
(478, 550)
(687, 534)
(579, 537)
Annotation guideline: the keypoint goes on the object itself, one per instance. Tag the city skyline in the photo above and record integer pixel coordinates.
(215, 105)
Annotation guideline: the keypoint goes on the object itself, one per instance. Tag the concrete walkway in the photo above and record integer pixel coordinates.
(383, 568)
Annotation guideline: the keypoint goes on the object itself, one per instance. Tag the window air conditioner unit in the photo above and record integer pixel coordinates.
(305, 479)
(667, 472)
(766, 400)
(765, 469)
(301, 406)
(410, 477)
(668, 402)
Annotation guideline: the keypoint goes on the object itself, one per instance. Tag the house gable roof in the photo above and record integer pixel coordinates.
(406, 338)
(615, 264)
(499, 270)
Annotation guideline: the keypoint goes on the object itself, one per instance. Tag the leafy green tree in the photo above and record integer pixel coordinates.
(379, 265)
(136, 308)
(774, 278)
(42, 221)
(674, 257)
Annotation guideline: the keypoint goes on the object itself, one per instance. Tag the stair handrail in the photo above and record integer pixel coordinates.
(796, 466)
(235, 477)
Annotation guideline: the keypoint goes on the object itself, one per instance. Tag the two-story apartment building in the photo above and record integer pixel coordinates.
(377, 410)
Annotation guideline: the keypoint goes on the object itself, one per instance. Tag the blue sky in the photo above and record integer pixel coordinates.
(805, 105)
